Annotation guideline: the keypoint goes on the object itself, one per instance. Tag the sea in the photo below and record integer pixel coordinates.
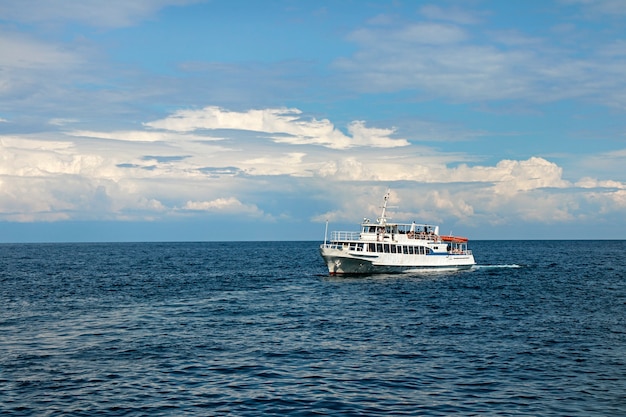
(537, 328)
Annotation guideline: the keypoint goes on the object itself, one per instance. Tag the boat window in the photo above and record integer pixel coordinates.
(371, 247)
(386, 247)
(410, 250)
(405, 250)
(393, 248)
(379, 247)
(372, 229)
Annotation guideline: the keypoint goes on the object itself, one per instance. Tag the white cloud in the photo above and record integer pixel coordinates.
(500, 194)
(376, 138)
(172, 169)
(507, 177)
(445, 202)
(514, 176)
(472, 206)
(141, 136)
(588, 182)
(615, 201)
(41, 158)
(230, 205)
(276, 164)
(287, 123)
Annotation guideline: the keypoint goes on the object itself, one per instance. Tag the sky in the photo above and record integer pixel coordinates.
(235, 120)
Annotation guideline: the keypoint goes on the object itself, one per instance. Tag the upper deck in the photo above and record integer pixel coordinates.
(398, 231)
(383, 231)
(395, 232)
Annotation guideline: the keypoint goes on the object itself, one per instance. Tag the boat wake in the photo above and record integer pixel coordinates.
(496, 266)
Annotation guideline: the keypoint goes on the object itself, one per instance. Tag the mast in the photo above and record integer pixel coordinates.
(383, 219)
(325, 232)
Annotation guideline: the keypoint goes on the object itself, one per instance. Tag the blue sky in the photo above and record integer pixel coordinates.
(182, 120)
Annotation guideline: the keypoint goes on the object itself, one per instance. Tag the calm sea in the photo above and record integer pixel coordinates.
(538, 328)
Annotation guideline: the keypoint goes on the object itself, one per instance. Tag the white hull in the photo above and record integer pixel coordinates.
(340, 262)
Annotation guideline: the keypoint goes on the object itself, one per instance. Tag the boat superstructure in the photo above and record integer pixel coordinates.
(386, 247)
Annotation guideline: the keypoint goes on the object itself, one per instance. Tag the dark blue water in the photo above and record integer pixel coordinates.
(199, 329)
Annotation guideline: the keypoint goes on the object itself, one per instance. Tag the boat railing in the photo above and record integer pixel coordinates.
(422, 236)
(343, 236)
(331, 246)
(460, 252)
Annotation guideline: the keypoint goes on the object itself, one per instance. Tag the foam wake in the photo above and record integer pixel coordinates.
(496, 266)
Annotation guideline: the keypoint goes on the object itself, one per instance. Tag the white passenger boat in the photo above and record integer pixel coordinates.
(385, 247)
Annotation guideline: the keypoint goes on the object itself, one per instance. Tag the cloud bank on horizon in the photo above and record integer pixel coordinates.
(500, 120)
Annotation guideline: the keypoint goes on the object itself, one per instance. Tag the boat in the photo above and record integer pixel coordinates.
(385, 247)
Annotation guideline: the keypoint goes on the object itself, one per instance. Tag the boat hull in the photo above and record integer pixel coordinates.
(342, 262)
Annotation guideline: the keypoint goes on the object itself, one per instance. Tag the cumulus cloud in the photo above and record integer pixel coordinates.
(616, 201)
(172, 168)
(507, 192)
(512, 176)
(276, 164)
(506, 177)
(588, 182)
(230, 205)
(41, 158)
(286, 125)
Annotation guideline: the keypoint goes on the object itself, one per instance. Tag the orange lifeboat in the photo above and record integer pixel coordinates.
(454, 239)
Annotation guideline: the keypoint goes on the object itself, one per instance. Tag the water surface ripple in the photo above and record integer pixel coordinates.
(246, 329)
